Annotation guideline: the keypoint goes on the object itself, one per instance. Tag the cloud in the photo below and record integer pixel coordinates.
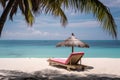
(84, 24)
(72, 14)
(33, 32)
(111, 3)
(30, 33)
(45, 22)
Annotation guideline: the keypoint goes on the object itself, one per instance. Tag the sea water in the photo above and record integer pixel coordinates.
(48, 49)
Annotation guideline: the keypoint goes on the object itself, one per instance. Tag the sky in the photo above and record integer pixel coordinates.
(47, 27)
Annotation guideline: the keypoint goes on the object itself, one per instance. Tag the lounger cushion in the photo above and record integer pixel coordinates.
(66, 61)
(58, 60)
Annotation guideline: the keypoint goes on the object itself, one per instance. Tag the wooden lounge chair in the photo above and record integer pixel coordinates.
(72, 62)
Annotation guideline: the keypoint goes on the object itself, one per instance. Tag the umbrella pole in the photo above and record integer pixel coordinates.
(72, 49)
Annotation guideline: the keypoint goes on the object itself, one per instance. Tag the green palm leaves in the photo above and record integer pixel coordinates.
(100, 11)
(56, 8)
(25, 6)
(53, 7)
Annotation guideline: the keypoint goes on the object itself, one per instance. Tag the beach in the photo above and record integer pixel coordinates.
(107, 68)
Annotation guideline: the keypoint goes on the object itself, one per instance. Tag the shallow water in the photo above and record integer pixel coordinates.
(47, 48)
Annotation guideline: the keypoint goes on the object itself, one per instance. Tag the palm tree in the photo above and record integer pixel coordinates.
(55, 7)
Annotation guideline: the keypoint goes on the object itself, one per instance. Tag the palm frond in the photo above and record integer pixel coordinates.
(99, 10)
(14, 9)
(103, 14)
(28, 14)
(35, 5)
(21, 6)
(53, 7)
(5, 13)
(3, 2)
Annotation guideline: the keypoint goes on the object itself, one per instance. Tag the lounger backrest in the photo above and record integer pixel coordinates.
(74, 58)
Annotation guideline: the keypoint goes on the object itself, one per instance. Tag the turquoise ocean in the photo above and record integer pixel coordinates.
(48, 49)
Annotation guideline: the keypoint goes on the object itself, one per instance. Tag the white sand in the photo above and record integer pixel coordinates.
(29, 65)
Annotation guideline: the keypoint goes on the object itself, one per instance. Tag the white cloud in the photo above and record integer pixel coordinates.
(73, 14)
(42, 23)
(84, 24)
(30, 33)
(111, 3)
(45, 22)
(37, 32)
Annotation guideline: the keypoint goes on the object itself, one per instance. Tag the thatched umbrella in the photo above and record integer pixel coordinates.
(72, 42)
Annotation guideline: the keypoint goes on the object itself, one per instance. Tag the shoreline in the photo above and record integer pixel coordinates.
(104, 67)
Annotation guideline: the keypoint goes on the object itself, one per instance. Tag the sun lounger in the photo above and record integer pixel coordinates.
(72, 62)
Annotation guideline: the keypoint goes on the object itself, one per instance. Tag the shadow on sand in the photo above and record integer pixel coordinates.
(48, 74)
(78, 70)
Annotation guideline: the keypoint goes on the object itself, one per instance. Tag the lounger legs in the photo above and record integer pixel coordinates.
(69, 67)
(79, 67)
(50, 63)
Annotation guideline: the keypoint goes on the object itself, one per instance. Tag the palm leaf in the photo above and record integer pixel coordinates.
(21, 6)
(53, 7)
(5, 13)
(3, 2)
(100, 11)
(35, 5)
(14, 9)
(28, 14)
